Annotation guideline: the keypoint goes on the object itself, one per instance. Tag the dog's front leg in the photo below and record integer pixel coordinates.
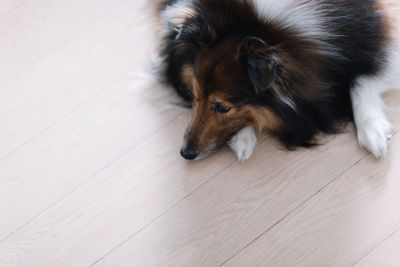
(244, 143)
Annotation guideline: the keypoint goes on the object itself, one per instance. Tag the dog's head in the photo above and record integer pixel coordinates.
(235, 78)
(228, 82)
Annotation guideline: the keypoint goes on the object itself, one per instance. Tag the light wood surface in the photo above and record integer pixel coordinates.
(387, 254)
(90, 172)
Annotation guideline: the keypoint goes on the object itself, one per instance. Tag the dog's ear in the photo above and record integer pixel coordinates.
(262, 62)
(190, 23)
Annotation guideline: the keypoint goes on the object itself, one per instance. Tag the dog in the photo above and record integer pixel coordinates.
(292, 68)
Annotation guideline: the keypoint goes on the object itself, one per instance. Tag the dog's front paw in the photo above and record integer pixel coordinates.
(374, 135)
(244, 143)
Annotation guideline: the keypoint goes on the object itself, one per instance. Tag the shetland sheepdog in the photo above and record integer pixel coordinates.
(293, 68)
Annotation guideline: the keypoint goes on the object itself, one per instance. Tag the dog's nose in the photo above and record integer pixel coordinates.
(188, 153)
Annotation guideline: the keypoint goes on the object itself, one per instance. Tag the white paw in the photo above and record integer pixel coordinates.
(374, 135)
(244, 143)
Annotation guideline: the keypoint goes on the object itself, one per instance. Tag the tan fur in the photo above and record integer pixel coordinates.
(263, 118)
(187, 75)
(214, 82)
(391, 8)
(196, 89)
(209, 128)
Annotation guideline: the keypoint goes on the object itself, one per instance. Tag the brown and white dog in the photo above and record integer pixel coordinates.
(293, 68)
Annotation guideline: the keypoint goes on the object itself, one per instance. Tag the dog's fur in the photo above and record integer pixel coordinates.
(293, 68)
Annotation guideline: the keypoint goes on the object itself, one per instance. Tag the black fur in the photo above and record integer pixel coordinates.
(358, 36)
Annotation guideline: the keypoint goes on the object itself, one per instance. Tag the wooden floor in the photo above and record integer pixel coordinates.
(90, 172)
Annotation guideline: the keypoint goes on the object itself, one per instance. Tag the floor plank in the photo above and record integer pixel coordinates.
(90, 172)
(35, 28)
(118, 202)
(7, 6)
(75, 149)
(73, 72)
(240, 204)
(387, 254)
(236, 206)
(338, 226)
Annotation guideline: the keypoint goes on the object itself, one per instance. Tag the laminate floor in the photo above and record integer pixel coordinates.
(90, 172)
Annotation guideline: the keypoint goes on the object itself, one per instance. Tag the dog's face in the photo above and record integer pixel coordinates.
(234, 79)
(222, 80)
(240, 69)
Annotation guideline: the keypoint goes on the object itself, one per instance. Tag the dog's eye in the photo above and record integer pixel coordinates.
(218, 108)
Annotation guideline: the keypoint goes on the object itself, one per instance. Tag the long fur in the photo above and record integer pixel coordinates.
(326, 48)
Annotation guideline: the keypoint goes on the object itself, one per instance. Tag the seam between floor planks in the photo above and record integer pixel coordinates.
(86, 26)
(89, 179)
(170, 208)
(164, 212)
(380, 244)
(357, 261)
(38, 59)
(280, 220)
(111, 163)
(292, 211)
(309, 199)
(63, 116)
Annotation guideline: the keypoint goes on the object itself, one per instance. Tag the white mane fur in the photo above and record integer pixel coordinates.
(308, 18)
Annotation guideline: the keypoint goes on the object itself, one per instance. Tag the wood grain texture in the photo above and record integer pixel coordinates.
(230, 211)
(7, 6)
(387, 254)
(66, 51)
(90, 172)
(70, 140)
(340, 225)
